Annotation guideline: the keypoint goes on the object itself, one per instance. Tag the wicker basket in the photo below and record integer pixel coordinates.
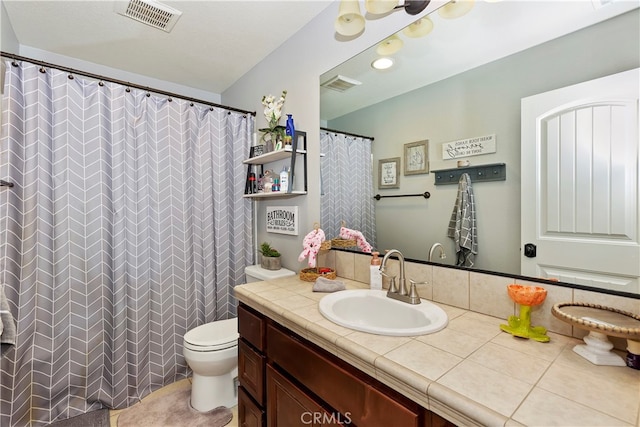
(311, 274)
(343, 243)
(326, 245)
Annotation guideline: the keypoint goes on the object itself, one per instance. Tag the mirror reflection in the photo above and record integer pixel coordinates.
(466, 79)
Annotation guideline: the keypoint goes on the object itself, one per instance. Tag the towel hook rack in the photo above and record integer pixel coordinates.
(4, 183)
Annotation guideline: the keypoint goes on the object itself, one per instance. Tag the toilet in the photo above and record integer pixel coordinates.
(255, 273)
(211, 351)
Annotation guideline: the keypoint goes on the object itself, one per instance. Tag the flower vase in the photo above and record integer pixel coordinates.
(269, 146)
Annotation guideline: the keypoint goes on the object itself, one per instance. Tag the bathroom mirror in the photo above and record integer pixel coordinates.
(465, 79)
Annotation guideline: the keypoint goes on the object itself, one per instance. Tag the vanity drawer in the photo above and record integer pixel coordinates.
(251, 371)
(249, 414)
(251, 326)
(366, 401)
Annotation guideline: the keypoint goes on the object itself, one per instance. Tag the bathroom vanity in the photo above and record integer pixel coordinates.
(297, 368)
(286, 380)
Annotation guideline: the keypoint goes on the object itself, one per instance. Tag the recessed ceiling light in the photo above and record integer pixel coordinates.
(382, 63)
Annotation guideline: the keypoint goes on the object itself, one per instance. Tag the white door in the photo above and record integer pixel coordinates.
(580, 203)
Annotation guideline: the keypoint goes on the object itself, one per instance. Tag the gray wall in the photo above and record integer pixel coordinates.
(8, 40)
(482, 101)
(296, 66)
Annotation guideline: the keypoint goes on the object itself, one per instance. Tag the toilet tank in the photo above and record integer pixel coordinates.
(255, 273)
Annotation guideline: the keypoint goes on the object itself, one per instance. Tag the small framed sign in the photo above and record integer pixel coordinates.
(256, 150)
(389, 173)
(282, 220)
(469, 147)
(416, 158)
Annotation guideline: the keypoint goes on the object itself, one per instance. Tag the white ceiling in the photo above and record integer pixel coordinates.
(212, 45)
(490, 31)
(215, 42)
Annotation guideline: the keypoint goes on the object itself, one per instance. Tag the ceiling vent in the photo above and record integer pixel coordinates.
(340, 83)
(149, 12)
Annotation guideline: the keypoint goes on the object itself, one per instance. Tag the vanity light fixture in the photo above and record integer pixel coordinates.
(389, 46)
(382, 63)
(456, 8)
(419, 28)
(350, 21)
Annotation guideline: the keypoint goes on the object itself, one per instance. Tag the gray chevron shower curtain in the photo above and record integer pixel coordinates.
(125, 228)
(346, 175)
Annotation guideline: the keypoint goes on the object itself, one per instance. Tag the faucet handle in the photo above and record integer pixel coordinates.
(392, 282)
(413, 292)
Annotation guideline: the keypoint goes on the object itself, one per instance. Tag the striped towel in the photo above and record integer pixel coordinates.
(7, 323)
(462, 225)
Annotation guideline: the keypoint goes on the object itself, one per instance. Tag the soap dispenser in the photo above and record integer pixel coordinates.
(375, 275)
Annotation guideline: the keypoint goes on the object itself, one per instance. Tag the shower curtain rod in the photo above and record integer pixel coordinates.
(122, 82)
(347, 133)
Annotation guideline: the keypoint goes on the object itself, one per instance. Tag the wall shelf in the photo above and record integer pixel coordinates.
(272, 156)
(255, 168)
(479, 173)
(274, 195)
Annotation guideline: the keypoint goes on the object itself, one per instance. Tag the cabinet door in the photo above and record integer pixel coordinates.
(288, 405)
(251, 371)
(249, 414)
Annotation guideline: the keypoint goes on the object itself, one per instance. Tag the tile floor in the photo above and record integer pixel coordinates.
(164, 390)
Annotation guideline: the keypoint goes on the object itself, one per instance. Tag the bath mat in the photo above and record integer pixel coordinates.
(99, 418)
(172, 410)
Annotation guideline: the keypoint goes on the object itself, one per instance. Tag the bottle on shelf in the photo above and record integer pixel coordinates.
(284, 179)
(289, 131)
(261, 184)
(252, 183)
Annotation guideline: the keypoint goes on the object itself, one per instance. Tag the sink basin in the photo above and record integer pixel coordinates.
(371, 311)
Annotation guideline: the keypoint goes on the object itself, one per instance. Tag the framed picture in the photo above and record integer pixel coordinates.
(389, 173)
(416, 158)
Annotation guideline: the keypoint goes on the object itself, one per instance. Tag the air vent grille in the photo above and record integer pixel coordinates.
(149, 12)
(340, 83)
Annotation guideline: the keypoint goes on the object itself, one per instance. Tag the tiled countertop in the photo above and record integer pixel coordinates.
(471, 372)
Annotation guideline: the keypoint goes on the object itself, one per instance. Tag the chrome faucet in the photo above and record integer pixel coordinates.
(402, 294)
(432, 250)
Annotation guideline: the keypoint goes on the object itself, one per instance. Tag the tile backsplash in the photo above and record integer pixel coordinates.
(480, 292)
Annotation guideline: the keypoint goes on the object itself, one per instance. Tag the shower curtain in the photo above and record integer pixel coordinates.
(346, 175)
(125, 228)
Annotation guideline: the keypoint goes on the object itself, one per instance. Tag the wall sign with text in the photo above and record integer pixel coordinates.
(282, 220)
(469, 147)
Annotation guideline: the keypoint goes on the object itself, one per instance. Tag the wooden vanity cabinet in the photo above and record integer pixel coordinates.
(251, 368)
(285, 380)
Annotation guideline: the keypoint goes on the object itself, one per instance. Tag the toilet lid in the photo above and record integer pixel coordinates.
(213, 334)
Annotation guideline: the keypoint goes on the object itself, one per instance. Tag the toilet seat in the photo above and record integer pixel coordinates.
(213, 336)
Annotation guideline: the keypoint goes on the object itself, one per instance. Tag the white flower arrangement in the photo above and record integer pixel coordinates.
(273, 113)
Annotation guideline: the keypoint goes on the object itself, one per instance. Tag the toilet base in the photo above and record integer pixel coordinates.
(208, 393)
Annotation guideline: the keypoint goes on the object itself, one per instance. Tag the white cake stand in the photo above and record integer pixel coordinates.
(601, 322)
